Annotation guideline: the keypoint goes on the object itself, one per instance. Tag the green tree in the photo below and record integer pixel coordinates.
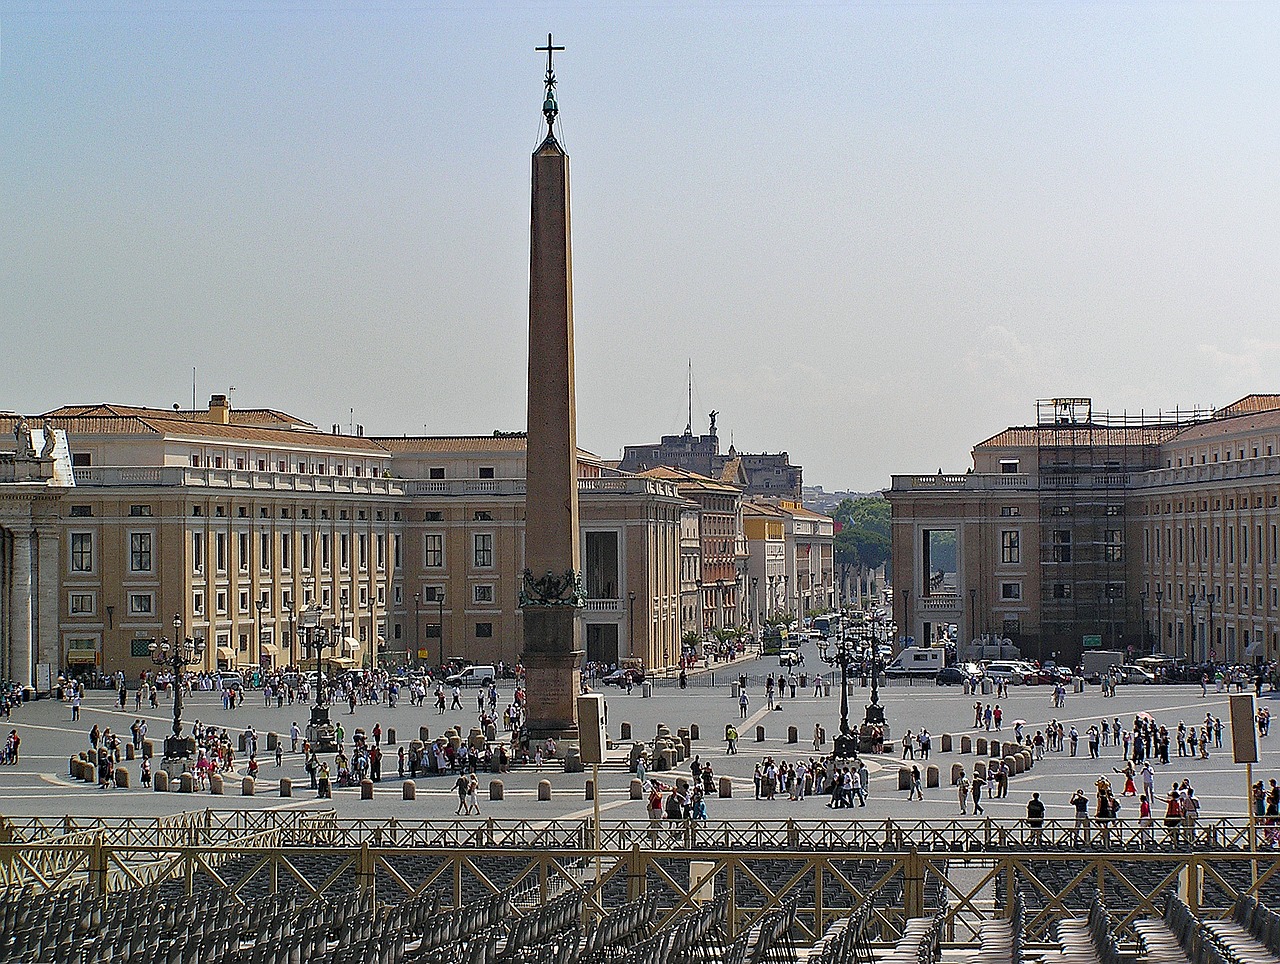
(862, 544)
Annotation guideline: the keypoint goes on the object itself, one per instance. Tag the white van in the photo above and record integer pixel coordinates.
(477, 675)
(916, 661)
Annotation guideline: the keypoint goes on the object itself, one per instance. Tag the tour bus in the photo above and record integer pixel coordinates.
(772, 640)
(826, 626)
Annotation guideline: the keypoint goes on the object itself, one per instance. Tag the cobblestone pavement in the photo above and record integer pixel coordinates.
(39, 783)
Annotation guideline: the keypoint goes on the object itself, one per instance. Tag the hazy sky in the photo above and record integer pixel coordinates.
(880, 230)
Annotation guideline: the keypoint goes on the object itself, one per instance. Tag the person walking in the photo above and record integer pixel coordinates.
(743, 703)
(962, 791)
(976, 790)
(916, 790)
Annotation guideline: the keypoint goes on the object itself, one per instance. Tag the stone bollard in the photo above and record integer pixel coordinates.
(286, 787)
(1014, 763)
(272, 741)
(624, 731)
(423, 734)
(391, 736)
(931, 775)
(366, 789)
(130, 751)
(247, 787)
(122, 778)
(244, 742)
(409, 791)
(637, 789)
(490, 732)
(495, 789)
(147, 749)
(160, 781)
(981, 746)
(589, 790)
(693, 731)
(544, 791)
(215, 784)
(187, 782)
(1008, 749)
(904, 778)
(726, 787)
(966, 744)
(793, 734)
(957, 773)
(1028, 759)
(682, 733)
(759, 734)
(946, 742)
(980, 771)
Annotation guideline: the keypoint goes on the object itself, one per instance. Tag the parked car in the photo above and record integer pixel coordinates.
(476, 675)
(950, 676)
(619, 677)
(790, 657)
(1007, 672)
(1132, 674)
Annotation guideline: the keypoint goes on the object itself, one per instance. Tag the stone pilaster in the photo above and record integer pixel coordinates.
(22, 604)
(46, 599)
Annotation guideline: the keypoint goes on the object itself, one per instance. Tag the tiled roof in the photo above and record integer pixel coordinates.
(683, 477)
(480, 444)
(1265, 420)
(752, 507)
(1079, 436)
(187, 428)
(1249, 405)
(242, 416)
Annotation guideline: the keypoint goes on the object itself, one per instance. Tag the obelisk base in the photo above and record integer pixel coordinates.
(552, 672)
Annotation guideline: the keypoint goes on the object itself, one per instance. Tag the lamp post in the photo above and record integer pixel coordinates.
(876, 632)
(182, 653)
(631, 624)
(841, 652)
(417, 639)
(262, 609)
(1159, 623)
(440, 600)
(1146, 627)
(1210, 644)
(320, 731)
(293, 635)
(1192, 624)
(755, 605)
(973, 615)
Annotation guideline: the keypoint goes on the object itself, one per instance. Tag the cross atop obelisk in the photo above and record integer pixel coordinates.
(551, 596)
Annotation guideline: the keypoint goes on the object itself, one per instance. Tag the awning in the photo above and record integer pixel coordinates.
(351, 644)
(227, 653)
(271, 649)
(341, 662)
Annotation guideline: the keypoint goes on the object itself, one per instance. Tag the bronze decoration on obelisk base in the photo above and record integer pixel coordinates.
(551, 596)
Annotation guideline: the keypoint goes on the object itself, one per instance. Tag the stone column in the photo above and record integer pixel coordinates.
(22, 604)
(45, 599)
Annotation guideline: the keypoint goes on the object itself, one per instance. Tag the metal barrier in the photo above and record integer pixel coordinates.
(310, 827)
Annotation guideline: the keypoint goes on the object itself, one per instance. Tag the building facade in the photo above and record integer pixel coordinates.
(1082, 530)
(234, 522)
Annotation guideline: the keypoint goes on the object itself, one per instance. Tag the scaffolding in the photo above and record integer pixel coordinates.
(1085, 460)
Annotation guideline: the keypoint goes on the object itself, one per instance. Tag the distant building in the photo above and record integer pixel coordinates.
(1142, 533)
(770, 474)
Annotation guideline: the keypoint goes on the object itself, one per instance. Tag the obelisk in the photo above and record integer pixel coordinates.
(551, 597)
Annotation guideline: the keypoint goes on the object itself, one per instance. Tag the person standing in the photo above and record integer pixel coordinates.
(743, 702)
(1035, 818)
(1081, 803)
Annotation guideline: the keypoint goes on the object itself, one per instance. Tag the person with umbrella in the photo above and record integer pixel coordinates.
(1017, 729)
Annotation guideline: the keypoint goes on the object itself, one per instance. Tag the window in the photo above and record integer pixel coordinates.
(324, 551)
(362, 551)
(1008, 466)
(1008, 511)
(435, 472)
(1009, 551)
(486, 472)
(220, 551)
(434, 551)
(433, 594)
(1062, 590)
(482, 515)
(395, 542)
(1114, 590)
(380, 551)
(264, 551)
(364, 596)
(1060, 510)
(220, 602)
(81, 511)
(286, 551)
(434, 515)
(141, 603)
(243, 601)
(482, 544)
(344, 551)
(482, 594)
(1061, 545)
(82, 604)
(139, 510)
(139, 551)
(1113, 546)
(1010, 590)
(484, 630)
(306, 551)
(197, 602)
(397, 595)
(197, 552)
(81, 460)
(82, 552)
(1112, 510)
(242, 546)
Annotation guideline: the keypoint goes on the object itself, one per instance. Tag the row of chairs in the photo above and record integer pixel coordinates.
(847, 941)
(1088, 940)
(773, 938)
(620, 929)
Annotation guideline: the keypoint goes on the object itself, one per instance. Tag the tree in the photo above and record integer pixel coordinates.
(862, 544)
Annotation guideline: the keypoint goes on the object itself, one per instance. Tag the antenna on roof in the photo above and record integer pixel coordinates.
(688, 426)
(193, 388)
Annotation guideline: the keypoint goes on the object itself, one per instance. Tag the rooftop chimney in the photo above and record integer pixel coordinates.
(220, 409)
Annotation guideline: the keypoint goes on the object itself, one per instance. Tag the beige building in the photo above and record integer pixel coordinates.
(234, 521)
(1152, 533)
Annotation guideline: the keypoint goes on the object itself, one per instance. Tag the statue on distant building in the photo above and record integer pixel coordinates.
(50, 440)
(22, 432)
(712, 416)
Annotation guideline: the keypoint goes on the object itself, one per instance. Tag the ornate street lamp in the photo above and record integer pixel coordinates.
(183, 652)
(842, 652)
(320, 731)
